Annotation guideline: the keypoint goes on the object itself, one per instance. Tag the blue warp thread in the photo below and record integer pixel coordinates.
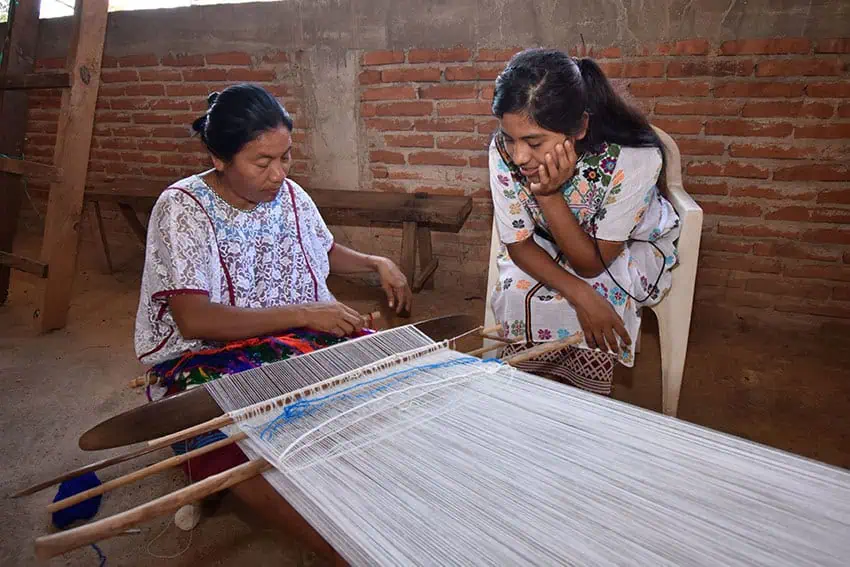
(303, 408)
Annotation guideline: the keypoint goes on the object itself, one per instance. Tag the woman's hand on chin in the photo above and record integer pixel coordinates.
(399, 296)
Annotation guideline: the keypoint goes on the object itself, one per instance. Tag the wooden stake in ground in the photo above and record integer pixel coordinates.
(73, 143)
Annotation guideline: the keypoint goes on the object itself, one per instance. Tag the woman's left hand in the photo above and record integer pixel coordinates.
(395, 285)
(556, 170)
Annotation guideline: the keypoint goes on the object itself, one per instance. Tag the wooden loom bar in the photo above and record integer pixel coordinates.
(73, 144)
(9, 260)
(55, 544)
(28, 81)
(17, 57)
(29, 168)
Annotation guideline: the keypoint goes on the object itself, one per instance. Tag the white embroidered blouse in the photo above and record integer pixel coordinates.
(273, 255)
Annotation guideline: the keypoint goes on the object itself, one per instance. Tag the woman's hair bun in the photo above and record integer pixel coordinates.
(213, 96)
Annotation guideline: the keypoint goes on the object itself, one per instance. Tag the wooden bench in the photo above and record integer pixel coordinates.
(415, 214)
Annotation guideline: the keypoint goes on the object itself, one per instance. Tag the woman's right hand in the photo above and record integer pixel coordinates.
(598, 320)
(332, 317)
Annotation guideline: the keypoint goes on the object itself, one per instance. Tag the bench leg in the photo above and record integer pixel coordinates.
(427, 262)
(408, 251)
(135, 225)
(101, 234)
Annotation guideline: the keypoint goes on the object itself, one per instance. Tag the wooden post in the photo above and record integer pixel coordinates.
(18, 57)
(73, 143)
(408, 251)
(427, 263)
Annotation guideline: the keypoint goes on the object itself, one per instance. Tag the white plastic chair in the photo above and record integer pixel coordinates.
(674, 311)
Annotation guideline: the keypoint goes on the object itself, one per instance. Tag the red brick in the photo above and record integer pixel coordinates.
(818, 271)
(817, 110)
(774, 192)
(844, 110)
(748, 128)
(389, 93)
(829, 131)
(479, 161)
(369, 77)
(389, 187)
(813, 308)
(841, 293)
(687, 47)
(183, 60)
(712, 277)
(59, 63)
(463, 142)
(710, 68)
(488, 126)
(385, 124)
(789, 288)
(120, 76)
(669, 88)
(643, 69)
(410, 140)
(418, 108)
(757, 230)
(828, 236)
(711, 242)
(611, 69)
(837, 216)
(772, 108)
(383, 156)
(145, 60)
(700, 188)
(497, 54)
(829, 90)
(758, 89)
(108, 155)
(139, 157)
(160, 75)
(700, 107)
(741, 263)
(383, 57)
(705, 168)
(436, 158)
(276, 57)
(700, 146)
(447, 92)
(228, 58)
(249, 75)
(799, 67)
(838, 45)
(479, 108)
(379, 171)
(438, 55)
(472, 73)
(840, 196)
(487, 93)
(430, 74)
(169, 132)
(169, 104)
(134, 131)
(813, 172)
(770, 151)
(679, 125)
(803, 252)
(136, 103)
(151, 118)
(200, 75)
(766, 46)
(731, 209)
(747, 170)
(149, 89)
(446, 125)
(794, 213)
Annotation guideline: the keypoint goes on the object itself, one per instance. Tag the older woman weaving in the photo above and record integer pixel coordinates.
(235, 273)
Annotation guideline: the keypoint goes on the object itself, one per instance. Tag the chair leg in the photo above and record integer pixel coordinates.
(673, 332)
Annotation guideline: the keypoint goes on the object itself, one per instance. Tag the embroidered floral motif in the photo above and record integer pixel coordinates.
(504, 180)
(563, 333)
(617, 296)
(518, 327)
(519, 223)
(601, 289)
(544, 334)
(507, 283)
(523, 284)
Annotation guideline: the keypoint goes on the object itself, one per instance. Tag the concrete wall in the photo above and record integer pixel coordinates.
(393, 95)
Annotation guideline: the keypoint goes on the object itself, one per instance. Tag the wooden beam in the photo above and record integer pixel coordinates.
(29, 81)
(23, 264)
(29, 168)
(73, 145)
(408, 251)
(17, 58)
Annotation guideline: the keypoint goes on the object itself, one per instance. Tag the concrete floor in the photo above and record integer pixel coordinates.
(784, 387)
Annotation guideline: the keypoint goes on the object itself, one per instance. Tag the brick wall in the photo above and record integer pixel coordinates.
(145, 108)
(763, 126)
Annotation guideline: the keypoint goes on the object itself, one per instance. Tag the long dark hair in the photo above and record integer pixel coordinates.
(555, 90)
(238, 115)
